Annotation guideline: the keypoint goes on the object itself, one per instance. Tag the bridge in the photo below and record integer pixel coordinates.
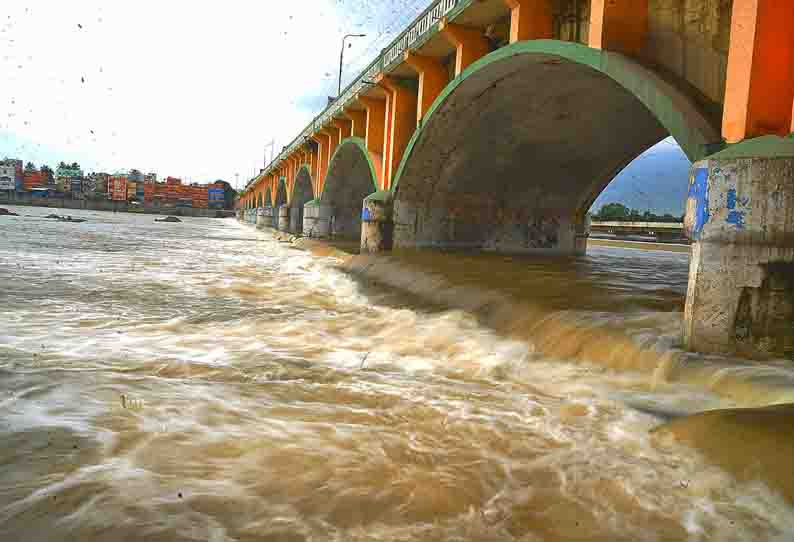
(494, 125)
(663, 231)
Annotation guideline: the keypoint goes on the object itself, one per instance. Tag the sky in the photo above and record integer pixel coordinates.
(189, 89)
(194, 90)
(657, 180)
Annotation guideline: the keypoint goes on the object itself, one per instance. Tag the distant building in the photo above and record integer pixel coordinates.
(117, 188)
(64, 175)
(150, 178)
(95, 185)
(35, 180)
(8, 176)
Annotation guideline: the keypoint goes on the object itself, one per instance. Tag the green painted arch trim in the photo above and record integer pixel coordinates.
(381, 195)
(362, 145)
(697, 140)
(312, 203)
(297, 173)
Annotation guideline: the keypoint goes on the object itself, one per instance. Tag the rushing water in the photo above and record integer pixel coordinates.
(202, 381)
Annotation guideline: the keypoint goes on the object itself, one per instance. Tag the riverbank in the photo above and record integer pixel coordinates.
(638, 245)
(112, 206)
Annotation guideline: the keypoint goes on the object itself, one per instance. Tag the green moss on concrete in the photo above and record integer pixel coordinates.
(380, 195)
(770, 146)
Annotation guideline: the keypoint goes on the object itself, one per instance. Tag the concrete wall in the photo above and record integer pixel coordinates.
(317, 221)
(690, 38)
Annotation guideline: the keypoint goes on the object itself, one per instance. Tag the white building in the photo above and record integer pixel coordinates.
(8, 177)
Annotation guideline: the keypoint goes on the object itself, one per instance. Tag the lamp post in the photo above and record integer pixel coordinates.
(342, 57)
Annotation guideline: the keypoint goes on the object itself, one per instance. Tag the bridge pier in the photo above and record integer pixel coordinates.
(265, 218)
(282, 218)
(317, 220)
(740, 216)
(377, 225)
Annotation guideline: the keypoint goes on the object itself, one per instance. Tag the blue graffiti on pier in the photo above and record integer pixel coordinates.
(736, 218)
(699, 200)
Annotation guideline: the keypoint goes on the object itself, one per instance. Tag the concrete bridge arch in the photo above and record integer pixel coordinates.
(351, 177)
(513, 152)
(281, 205)
(268, 202)
(302, 193)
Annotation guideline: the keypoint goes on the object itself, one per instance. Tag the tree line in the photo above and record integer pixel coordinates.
(617, 212)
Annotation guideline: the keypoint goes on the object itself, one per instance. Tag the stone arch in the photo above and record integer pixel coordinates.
(268, 202)
(351, 177)
(281, 193)
(302, 193)
(514, 151)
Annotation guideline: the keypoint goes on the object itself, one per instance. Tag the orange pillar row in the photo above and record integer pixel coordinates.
(295, 167)
(530, 20)
(376, 115)
(470, 44)
(313, 159)
(358, 122)
(619, 25)
(345, 127)
(432, 80)
(759, 90)
(333, 142)
(401, 110)
(329, 146)
(322, 160)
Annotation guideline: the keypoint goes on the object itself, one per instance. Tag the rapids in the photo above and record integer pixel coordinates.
(204, 381)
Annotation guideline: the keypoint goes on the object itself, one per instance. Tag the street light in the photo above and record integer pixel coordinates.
(342, 56)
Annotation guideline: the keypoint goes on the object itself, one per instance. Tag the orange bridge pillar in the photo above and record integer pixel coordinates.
(432, 80)
(759, 91)
(470, 44)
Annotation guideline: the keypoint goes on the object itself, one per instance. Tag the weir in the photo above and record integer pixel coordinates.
(493, 125)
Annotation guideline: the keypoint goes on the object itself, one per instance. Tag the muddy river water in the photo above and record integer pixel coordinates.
(203, 381)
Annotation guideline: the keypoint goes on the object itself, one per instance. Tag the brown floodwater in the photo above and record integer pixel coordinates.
(203, 381)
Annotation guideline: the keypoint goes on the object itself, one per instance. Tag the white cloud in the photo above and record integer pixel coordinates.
(184, 88)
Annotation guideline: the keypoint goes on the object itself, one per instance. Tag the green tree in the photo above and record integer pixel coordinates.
(30, 167)
(613, 211)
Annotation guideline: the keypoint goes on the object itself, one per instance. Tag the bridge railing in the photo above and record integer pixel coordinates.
(425, 23)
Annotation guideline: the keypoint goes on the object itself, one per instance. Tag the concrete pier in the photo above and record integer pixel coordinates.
(377, 225)
(740, 216)
(282, 219)
(317, 220)
(267, 217)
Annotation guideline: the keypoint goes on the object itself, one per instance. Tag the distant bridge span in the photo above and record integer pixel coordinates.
(494, 124)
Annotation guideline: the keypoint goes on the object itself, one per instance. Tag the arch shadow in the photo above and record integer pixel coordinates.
(514, 151)
(351, 177)
(302, 193)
